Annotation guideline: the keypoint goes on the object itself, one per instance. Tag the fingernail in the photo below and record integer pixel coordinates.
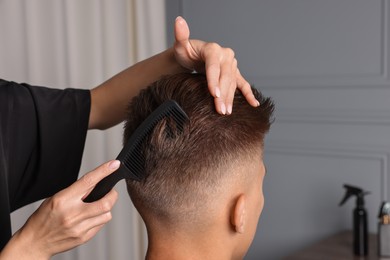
(258, 103)
(179, 18)
(217, 92)
(223, 109)
(229, 109)
(114, 165)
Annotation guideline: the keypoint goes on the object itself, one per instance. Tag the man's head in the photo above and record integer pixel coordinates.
(209, 176)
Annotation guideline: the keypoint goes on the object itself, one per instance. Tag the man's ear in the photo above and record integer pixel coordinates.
(238, 217)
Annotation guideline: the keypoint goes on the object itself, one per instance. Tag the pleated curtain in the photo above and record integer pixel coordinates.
(80, 44)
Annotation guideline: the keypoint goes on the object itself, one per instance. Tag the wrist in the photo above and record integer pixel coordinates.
(22, 246)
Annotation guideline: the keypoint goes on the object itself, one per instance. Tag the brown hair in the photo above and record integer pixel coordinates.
(184, 170)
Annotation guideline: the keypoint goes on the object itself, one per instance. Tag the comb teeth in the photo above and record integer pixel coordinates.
(130, 155)
(132, 161)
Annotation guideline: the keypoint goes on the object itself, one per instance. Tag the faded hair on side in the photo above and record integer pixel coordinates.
(184, 170)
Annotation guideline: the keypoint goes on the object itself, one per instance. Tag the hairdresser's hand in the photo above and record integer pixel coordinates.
(64, 221)
(217, 62)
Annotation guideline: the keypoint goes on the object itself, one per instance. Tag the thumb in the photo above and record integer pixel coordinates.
(182, 31)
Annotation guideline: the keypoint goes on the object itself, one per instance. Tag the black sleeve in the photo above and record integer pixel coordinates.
(46, 131)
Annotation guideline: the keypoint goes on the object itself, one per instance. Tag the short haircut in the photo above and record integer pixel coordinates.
(184, 171)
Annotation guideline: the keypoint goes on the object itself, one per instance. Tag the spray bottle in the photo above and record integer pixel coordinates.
(360, 236)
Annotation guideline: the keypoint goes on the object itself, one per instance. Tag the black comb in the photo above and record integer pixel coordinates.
(132, 161)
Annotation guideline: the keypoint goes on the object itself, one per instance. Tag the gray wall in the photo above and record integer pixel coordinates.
(326, 64)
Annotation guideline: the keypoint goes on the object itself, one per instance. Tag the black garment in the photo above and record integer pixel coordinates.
(42, 136)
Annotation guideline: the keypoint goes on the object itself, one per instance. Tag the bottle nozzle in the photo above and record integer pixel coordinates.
(354, 191)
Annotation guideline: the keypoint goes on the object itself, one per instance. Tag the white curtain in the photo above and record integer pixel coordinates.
(79, 44)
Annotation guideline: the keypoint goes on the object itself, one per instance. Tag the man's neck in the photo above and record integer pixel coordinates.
(187, 247)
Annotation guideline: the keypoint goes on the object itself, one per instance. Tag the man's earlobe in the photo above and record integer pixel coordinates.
(239, 214)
